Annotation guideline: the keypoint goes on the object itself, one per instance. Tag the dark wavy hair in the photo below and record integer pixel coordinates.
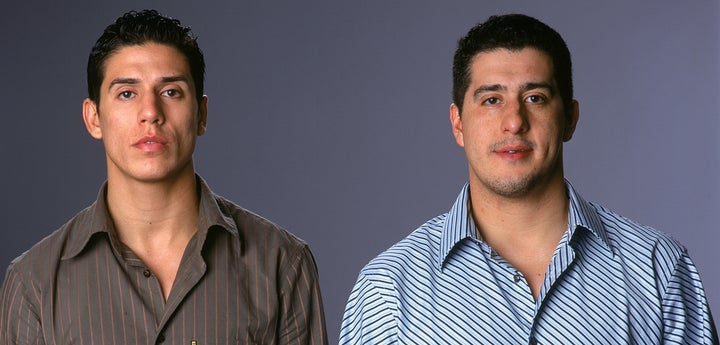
(137, 28)
(513, 32)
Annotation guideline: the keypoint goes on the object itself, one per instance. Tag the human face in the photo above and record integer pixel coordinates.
(513, 122)
(148, 117)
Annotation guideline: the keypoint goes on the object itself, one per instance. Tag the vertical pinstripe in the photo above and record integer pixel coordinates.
(610, 281)
(242, 280)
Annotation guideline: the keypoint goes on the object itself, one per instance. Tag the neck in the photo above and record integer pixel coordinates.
(153, 214)
(538, 216)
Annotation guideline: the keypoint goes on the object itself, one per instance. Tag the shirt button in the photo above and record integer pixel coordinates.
(147, 272)
(160, 338)
(516, 278)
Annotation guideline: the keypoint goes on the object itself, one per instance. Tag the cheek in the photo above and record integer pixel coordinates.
(556, 138)
(481, 133)
(115, 130)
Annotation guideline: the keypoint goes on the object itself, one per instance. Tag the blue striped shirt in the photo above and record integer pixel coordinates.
(610, 281)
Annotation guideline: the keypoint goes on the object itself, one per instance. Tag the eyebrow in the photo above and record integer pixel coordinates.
(131, 81)
(523, 88)
(533, 86)
(118, 81)
(488, 88)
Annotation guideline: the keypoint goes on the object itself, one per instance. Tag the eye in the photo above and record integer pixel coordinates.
(491, 101)
(535, 99)
(126, 95)
(172, 93)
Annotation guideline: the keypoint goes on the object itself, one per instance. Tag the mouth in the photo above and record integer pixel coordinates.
(151, 143)
(151, 140)
(513, 150)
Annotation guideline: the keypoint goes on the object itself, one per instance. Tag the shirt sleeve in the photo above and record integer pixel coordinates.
(303, 318)
(19, 320)
(686, 315)
(370, 313)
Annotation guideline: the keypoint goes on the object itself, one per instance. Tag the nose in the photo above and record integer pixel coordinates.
(151, 110)
(515, 118)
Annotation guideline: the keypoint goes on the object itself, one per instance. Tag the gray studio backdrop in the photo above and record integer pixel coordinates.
(331, 117)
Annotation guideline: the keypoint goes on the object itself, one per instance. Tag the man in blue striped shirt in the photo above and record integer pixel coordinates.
(522, 258)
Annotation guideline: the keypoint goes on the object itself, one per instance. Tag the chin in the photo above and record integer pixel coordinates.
(155, 175)
(512, 188)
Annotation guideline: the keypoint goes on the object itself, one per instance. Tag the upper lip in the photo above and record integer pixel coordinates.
(512, 146)
(151, 139)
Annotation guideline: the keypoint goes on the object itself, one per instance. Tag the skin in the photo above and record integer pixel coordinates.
(512, 128)
(148, 120)
(147, 93)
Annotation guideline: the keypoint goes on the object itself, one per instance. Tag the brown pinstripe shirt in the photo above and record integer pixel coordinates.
(242, 280)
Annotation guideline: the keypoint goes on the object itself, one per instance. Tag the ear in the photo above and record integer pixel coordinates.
(573, 115)
(456, 123)
(202, 115)
(92, 119)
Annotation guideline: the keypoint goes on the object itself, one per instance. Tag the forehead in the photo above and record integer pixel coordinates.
(148, 60)
(504, 66)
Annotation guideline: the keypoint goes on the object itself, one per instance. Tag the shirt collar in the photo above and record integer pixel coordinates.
(460, 225)
(583, 214)
(96, 219)
(211, 214)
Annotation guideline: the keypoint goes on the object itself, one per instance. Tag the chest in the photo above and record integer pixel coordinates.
(99, 298)
(480, 299)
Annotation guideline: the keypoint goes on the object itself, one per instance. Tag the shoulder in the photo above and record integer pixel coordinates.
(622, 229)
(415, 253)
(250, 228)
(632, 242)
(371, 312)
(639, 243)
(38, 263)
(256, 229)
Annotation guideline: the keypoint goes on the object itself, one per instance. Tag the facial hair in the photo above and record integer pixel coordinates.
(511, 188)
(517, 186)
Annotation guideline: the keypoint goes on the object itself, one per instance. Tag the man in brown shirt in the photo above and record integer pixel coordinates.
(158, 257)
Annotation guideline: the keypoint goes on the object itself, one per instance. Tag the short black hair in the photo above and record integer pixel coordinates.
(513, 32)
(137, 28)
